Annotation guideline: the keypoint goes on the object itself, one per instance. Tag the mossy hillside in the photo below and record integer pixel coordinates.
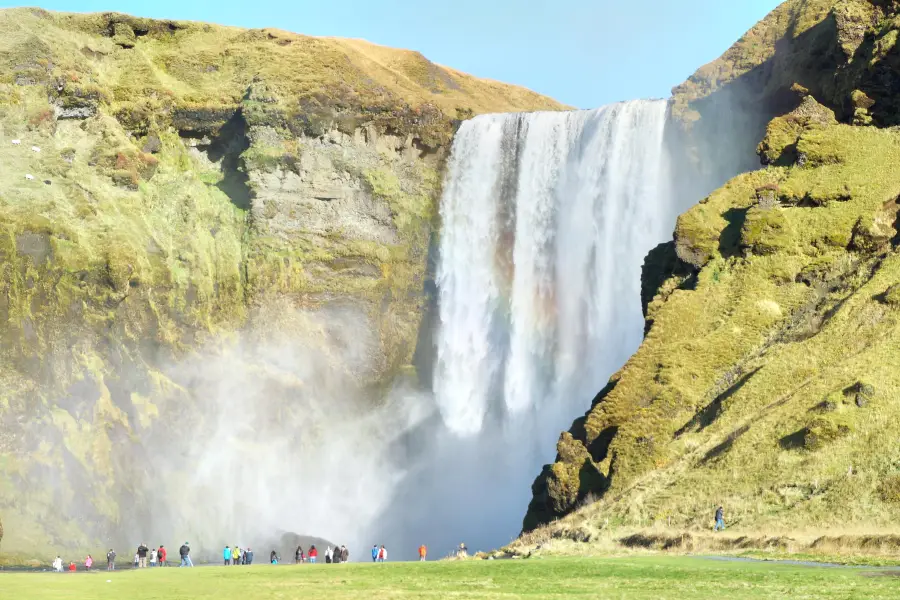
(843, 52)
(723, 402)
(143, 247)
(195, 75)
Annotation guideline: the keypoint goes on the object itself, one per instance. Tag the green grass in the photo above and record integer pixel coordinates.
(626, 578)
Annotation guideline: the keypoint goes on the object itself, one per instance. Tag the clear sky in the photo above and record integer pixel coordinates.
(581, 52)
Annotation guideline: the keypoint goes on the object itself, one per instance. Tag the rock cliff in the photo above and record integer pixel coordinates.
(180, 193)
(766, 381)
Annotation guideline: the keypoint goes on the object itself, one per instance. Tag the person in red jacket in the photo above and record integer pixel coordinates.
(313, 554)
(72, 567)
(161, 554)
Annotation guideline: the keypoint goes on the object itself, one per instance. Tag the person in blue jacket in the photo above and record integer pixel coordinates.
(226, 554)
(375, 553)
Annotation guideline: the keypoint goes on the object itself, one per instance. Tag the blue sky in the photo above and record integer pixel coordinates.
(582, 52)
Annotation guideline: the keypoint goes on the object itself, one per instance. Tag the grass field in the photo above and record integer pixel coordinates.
(626, 578)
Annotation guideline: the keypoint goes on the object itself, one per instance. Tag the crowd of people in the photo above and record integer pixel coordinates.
(146, 556)
(237, 556)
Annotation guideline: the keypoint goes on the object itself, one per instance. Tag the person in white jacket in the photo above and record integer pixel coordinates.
(57, 565)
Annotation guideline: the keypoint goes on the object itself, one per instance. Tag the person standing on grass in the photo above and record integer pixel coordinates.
(328, 555)
(248, 556)
(720, 519)
(226, 555)
(57, 565)
(142, 555)
(375, 553)
(185, 553)
(423, 552)
(88, 562)
(111, 560)
(153, 557)
(273, 558)
(313, 555)
(382, 554)
(72, 567)
(161, 554)
(236, 556)
(345, 554)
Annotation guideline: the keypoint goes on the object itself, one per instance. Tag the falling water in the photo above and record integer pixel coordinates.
(547, 218)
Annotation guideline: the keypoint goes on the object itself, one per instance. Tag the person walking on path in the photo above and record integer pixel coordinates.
(142, 555)
(185, 553)
(153, 557)
(57, 565)
(226, 555)
(111, 560)
(161, 555)
(345, 554)
(313, 555)
(375, 553)
(423, 552)
(720, 519)
(236, 556)
(382, 554)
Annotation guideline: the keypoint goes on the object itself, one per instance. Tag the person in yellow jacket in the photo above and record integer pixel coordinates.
(236, 555)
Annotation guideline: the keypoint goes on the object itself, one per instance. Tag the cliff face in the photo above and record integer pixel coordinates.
(180, 193)
(766, 381)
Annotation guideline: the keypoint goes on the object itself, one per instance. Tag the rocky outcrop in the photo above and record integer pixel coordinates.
(762, 383)
(201, 196)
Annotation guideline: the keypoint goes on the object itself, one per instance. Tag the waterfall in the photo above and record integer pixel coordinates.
(546, 219)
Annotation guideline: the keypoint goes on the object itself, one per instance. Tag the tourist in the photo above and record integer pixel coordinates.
(720, 520)
(185, 553)
(298, 555)
(248, 556)
(111, 560)
(236, 556)
(57, 565)
(375, 553)
(137, 560)
(142, 555)
(345, 554)
(161, 556)
(72, 567)
(328, 555)
(88, 562)
(313, 555)
(273, 558)
(242, 557)
(153, 557)
(423, 552)
(226, 555)
(336, 556)
(382, 554)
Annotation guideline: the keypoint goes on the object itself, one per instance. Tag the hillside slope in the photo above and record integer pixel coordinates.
(768, 378)
(185, 210)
